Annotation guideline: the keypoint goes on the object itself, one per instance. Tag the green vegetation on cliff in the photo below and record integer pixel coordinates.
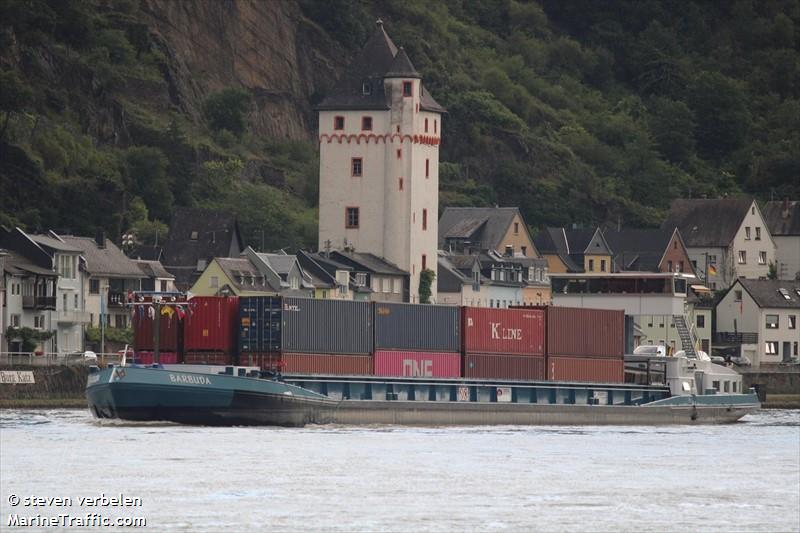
(577, 111)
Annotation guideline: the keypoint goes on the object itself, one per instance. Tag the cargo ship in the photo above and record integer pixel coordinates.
(295, 361)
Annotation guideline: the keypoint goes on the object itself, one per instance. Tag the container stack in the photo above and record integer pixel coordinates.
(585, 345)
(170, 338)
(306, 336)
(504, 343)
(420, 341)
(210, 330)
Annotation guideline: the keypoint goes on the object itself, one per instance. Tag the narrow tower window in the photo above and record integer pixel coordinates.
(338, 123)
(351, 217)
(435, 125)
(424, 219)
(427, 168)
(408, 88)
(424, 261)
(426, 125)
(366, 123)
(400, 183)
(399, 153)
(356, 167)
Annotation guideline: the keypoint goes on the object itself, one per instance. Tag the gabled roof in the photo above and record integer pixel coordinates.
(319, 276)
(281, 263)
(767, 293)
(369, 262)
(147, 252)
(553, 241)
(704, 222)
(17, 265)
(401, 66)
(55, 244)
(238, 268)
(108, 261)
(783, 218)
(375, 60)
(485, 226)
(638, 249)
(153, 269)
(216, 234)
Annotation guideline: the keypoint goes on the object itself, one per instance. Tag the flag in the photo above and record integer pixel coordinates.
(180, 312)
(712, 270)
(168, 311)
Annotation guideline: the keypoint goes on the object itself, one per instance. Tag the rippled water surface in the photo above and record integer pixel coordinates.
(742, 477)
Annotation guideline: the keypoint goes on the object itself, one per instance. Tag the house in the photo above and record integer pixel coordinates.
(379, 135)
(111, 276)
(29, 297)
(229, 276)
(575, 250)
(374, 279)
(783, 221)
(469, 230)
(283, 272)
(196, 236)
(157, 278)
(648, 250)
(661, 304)
(3, 254)
(496, 231)
(331, 279)
(762, 317)
(48, 276)
(726, 238)
(492, 280)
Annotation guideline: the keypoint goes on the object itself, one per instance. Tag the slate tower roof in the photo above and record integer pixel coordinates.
(361, 85)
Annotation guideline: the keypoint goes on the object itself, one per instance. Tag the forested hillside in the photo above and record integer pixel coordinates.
(112, 112)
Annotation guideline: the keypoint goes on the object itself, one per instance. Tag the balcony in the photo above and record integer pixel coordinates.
(38, 302)
(730, 337)
(71, 317)
(117, 298)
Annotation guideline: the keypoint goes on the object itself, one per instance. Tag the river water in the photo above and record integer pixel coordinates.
(741, 477)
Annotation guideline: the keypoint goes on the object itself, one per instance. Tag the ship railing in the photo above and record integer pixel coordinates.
(56, 359)
(465, 391)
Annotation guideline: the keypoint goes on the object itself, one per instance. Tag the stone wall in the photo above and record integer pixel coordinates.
(51, 383)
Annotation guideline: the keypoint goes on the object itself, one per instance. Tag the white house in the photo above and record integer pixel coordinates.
(379, 135)
(783, 219)
(726, 239)
(110, 276)
(489, 279)
(762, 316)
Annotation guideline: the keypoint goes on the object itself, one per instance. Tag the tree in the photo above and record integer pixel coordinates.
(721, 114)
(15, 96)
(426, 278)
(226, 110)
(145, 170)
(773, 271)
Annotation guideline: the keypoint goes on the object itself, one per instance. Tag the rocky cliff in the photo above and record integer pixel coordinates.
(268, 48)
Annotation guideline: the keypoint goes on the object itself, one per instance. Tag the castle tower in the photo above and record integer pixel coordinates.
(379, 134)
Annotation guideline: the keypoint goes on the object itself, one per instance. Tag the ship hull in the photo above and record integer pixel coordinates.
(154, 394)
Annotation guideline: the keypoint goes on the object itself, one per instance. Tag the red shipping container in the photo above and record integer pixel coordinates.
(165, 358)
(512, 367)
(323, 364)
(212, 324)
(503, 331)
(586, 369)
(578, 332)
(417, 364)
(169, 332)
(207, 358)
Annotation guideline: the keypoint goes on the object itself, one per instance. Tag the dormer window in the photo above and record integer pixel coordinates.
(408, 88)
(193, 236)
(366, 88)
(338, 123)
(366, 123)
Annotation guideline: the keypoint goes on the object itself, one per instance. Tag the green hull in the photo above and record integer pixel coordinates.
(163, 394)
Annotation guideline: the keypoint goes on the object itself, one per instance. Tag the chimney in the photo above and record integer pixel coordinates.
(785, 210)
(100, 239)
